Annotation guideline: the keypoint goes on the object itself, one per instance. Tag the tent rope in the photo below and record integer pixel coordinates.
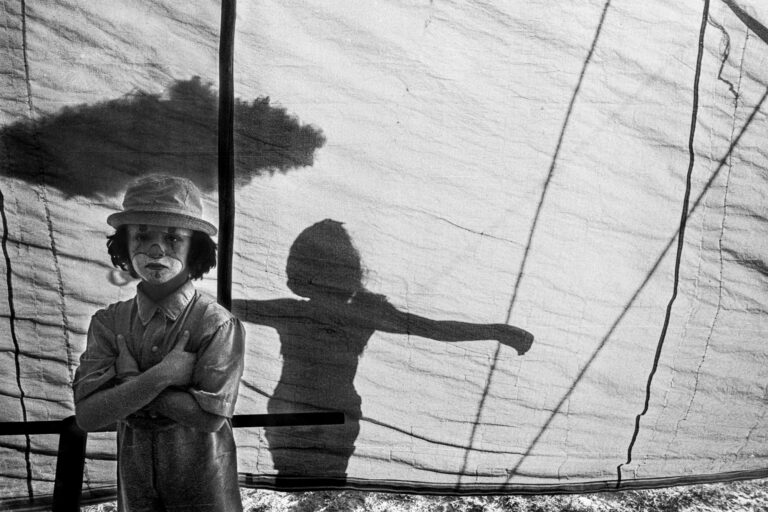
(14, 338)
(12, 312)
(680, 243)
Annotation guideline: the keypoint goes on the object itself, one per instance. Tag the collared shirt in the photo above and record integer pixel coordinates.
(164, 465)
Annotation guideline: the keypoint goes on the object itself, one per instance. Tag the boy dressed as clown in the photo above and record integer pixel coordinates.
(165, 366)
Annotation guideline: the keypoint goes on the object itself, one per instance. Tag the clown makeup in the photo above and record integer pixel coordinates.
(158, 253)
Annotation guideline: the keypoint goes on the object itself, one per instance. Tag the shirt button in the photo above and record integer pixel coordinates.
(154, 349)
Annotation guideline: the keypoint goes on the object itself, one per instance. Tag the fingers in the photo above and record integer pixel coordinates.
(526, 343)
(519, 339)
(182, 343)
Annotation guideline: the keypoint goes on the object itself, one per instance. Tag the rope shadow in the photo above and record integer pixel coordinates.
(755, 26)
(532, 231)
(634, 297)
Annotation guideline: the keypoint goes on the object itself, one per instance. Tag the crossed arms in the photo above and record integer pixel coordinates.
(158, 389)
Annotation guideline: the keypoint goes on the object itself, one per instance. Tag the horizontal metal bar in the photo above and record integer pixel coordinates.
(16, 428)
(288, 419)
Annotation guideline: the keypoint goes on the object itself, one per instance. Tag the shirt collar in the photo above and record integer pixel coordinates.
(171, 306)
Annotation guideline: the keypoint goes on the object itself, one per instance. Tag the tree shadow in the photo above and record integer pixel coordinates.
(321, 340)
(95, 150)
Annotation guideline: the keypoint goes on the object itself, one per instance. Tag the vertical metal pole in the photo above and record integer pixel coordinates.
(226, 152)
(70, 463)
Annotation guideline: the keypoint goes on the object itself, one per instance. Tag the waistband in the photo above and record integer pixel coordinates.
(143, 420)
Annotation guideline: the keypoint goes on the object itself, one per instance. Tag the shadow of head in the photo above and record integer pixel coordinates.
(323, 263)
(95, 150)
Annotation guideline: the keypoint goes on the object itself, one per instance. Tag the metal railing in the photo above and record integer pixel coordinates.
(70, 458)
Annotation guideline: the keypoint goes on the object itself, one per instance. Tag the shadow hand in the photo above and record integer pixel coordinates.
(519, 339)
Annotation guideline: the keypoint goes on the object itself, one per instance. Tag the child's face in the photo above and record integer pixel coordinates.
(158, 253)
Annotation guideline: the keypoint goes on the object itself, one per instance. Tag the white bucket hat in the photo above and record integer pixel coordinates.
(161, 200)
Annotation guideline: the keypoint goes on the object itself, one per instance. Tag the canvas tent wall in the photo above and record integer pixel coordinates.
(490, 163)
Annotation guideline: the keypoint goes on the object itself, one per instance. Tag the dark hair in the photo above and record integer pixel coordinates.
(201, 258)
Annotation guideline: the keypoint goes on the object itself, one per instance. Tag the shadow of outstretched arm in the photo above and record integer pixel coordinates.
(271, 313)
(373, 312)
(383, 316)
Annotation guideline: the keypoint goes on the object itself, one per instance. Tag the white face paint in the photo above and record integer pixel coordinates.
(158, 253)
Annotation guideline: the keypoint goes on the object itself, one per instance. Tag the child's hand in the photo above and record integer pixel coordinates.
(519, 339)
(156, 406)
(179, 364)
(125, 365)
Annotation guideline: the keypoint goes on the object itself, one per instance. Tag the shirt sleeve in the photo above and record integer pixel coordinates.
(97, 363)
(216, 378)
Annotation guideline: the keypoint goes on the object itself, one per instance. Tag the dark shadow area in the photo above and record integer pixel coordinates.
(94, 150)
(321, 340)
(749, 261)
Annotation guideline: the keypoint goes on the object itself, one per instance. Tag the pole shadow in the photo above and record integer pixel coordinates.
(322, 337)
(95, 150)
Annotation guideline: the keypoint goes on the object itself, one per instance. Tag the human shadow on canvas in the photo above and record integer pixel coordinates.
(322, 337)
(95, 150)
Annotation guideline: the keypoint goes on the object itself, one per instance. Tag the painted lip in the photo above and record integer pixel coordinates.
(155, 266)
